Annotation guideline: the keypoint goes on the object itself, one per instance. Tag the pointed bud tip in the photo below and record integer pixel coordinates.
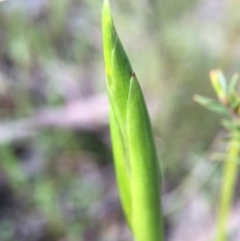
(106, 7)
(107, 21)
(106, 2)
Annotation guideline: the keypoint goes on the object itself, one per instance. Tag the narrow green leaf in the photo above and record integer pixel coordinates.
(219, 84)
(222, 80)
(233, 83)
(121, 167)
(118, 80)
(146, 210)
(210, 104)
(118, 67)
(109, 36)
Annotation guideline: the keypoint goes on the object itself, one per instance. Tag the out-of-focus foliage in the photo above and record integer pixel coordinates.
(58, 183)
(228, 98)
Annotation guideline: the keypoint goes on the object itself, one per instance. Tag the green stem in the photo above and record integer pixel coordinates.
(228, 187)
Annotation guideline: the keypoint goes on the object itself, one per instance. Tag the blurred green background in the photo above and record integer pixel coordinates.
(56, 171)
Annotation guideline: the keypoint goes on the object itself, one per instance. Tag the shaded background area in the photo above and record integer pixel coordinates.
(56, 172)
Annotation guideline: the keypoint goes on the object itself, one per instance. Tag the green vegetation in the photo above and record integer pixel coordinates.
(136, 162)
(134, 148)
(229, 103)
(57, 178)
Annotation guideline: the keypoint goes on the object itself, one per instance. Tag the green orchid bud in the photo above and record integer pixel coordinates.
(135, 158)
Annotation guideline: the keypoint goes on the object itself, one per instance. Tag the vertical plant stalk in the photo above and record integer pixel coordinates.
(229, 103)
(228, 187)
(135, 158)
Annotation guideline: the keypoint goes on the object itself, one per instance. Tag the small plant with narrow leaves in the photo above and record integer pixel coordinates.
(228, 103)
